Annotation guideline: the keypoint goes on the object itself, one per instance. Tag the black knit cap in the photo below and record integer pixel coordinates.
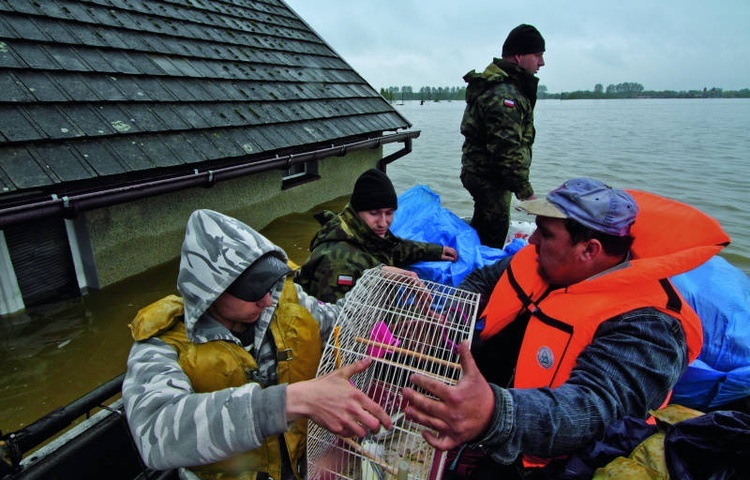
(373, 191)
(259, 278)
(522, 40)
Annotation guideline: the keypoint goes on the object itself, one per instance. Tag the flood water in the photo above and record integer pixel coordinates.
(54, 355)
(696, 151)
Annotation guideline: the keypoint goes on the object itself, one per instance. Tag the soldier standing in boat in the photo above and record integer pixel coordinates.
(498, 130)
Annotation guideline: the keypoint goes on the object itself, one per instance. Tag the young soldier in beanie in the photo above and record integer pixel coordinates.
(498, 130)
(373, 190)
(359, 238)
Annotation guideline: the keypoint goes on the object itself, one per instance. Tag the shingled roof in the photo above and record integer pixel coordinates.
(102, 92)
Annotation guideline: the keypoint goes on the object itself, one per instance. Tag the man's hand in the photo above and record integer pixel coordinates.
(422, 294)
(449, 253)
(393, 272)
(335, 404)
(462, 412)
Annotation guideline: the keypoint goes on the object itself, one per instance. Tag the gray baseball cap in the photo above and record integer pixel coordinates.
(259, 278)
(589, 202)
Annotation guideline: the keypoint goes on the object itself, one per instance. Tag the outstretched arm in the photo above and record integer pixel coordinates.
(627, 370)
(170, 421)
(483, 280)
(405, 252)
(335, 404)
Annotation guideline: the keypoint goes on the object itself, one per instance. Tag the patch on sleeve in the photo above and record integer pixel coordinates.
(345, 280)
(509, 103)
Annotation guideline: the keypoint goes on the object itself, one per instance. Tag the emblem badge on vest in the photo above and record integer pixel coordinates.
(346, 280)
(545, 357)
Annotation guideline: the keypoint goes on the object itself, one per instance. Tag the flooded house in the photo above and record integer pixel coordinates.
(118, 118)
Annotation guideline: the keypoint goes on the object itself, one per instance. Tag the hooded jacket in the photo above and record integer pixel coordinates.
(172, 423)
(345, 247)
(498, 126)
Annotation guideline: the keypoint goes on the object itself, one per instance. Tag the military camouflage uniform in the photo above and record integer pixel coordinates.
(171, 424)
(345, 247)
(498, 130)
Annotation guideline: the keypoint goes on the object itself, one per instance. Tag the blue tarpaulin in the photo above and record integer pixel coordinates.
(720, 293)
(420, 216)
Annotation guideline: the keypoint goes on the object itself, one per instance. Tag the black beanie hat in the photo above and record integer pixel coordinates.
(373, 191)
(522, 40)
(259, 278)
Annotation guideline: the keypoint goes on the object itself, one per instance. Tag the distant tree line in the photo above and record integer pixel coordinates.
(636, 90)
(434, 94)
(621, 90)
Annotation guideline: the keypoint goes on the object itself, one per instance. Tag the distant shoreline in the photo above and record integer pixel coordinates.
(619, 91)
(589, 95)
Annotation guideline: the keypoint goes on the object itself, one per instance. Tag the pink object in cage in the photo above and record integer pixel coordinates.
(381, 334)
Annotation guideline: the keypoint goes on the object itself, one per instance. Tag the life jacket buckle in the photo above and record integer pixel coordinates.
(285, 355)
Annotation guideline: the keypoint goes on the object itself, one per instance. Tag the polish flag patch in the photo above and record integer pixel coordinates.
(509, 103)
(345, 280)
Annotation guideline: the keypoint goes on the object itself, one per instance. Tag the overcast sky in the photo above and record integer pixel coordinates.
(661, 44)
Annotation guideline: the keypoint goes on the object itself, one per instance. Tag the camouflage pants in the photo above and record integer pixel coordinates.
(491, 217)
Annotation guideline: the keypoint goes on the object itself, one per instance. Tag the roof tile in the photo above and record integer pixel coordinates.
(107, 89)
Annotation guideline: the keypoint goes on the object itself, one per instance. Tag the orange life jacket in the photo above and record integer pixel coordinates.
(563, 321)
(669, 238)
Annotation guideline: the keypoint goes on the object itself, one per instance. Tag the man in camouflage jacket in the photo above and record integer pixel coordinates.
(498, 130)
(345, 247)
(360, 238)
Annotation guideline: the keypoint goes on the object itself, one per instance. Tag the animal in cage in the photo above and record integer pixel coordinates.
(407, 326)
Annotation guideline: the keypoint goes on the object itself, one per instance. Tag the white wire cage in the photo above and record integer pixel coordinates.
(407, 326)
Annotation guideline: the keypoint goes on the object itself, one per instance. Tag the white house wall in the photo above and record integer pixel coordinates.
(130, 238)
(11, 300)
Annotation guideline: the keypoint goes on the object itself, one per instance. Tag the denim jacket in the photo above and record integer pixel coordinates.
(633, 359)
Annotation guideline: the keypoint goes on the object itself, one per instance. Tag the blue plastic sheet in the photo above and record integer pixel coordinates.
(720, 293)
(420, 216)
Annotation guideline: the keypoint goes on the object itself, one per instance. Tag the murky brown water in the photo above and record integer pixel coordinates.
(53, 356)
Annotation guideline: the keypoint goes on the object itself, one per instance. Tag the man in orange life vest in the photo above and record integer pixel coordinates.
(578, 329)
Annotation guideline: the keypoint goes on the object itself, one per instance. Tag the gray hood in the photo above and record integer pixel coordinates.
(216, 250)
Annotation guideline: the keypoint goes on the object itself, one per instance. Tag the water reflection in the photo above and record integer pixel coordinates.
(59, 352)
